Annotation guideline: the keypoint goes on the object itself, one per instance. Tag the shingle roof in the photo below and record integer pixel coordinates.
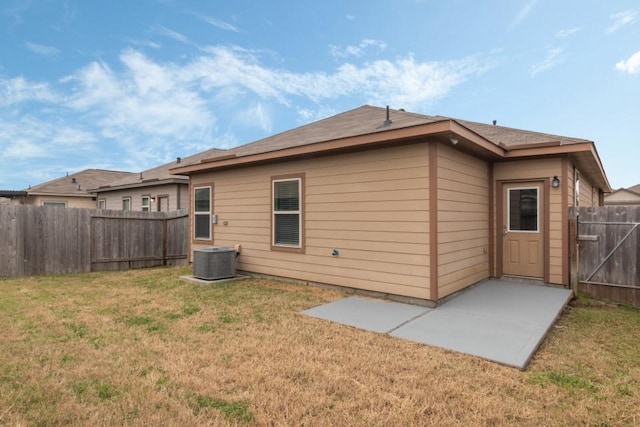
(77, 184)
(368, 125)
(369, 119)
(159, 174)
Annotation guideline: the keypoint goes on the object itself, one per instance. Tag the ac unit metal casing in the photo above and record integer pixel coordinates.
(214, 262)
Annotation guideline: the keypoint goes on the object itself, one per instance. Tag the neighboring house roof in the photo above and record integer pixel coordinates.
(624, 196)
(368, 125)
(12, 193)
(158, 175)
(77, 184)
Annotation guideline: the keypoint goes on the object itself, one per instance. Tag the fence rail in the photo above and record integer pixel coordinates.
(52, 240)
(608, 240)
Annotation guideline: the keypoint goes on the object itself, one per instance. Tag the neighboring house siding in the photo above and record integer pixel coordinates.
(622, 197)
(114, 198)
(463, 220)
(542, 169)
(70, 202)
(373, 207)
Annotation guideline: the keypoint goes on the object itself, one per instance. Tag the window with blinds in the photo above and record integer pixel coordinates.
(202, 213)
(287, 212)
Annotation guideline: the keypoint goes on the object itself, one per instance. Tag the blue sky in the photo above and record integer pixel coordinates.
(128, 85)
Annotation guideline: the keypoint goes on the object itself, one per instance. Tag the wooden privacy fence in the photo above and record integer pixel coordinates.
(53, 240)
(608, 252)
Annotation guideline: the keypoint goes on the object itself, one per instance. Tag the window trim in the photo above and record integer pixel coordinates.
(576, 188)
(129, 199)
(103, 201)
(537, 230)
(195, 213)
(54, 203)
(148, 205)
(300, 248)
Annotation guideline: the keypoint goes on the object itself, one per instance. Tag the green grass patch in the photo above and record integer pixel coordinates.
(561, 379)
(235, 411)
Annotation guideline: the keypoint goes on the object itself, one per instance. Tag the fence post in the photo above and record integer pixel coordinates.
(573, 251)
(165, 240)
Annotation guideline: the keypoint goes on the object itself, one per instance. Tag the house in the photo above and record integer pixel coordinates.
(398, 203)
(154, 189)
(12, 197)
(623, 196)
(72, 190)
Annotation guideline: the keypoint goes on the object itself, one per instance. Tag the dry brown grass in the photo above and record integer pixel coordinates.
(145, 348)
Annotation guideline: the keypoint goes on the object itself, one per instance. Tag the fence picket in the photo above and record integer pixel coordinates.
(52, 240)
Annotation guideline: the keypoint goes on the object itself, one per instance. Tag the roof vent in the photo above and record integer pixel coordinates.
(178, 159)
(140, 175)
(388, 121)
(73, 180)
(495, 122)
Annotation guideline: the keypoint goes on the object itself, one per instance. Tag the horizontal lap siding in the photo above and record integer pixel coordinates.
(463, 220)
(114, 198)
(542, 169)
(373, 207)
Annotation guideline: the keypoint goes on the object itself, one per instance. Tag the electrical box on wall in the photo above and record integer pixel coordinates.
(214, 219)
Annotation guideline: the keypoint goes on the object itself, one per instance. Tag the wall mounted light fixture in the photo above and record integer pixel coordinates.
(555, 182)
(453, 140)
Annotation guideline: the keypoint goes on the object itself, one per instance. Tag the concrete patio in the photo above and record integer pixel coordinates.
(500, 320)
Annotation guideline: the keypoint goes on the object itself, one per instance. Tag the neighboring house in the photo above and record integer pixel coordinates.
(623, 196)
(73, 190)
(12, 197)
(155, 189)
(398, 203)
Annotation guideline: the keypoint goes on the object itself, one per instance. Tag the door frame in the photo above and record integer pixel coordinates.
(499, 191)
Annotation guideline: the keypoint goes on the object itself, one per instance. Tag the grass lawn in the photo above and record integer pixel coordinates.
(145, 348)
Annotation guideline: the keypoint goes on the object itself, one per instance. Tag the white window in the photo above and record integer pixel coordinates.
(146, 203)
(126, 203)
(287, 212)
(202, 213)
(56, 204)
(102, 204)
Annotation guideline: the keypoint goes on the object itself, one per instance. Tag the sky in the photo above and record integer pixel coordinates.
(129, 85)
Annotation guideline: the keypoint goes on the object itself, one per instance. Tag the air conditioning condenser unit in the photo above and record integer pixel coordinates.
(214, 262)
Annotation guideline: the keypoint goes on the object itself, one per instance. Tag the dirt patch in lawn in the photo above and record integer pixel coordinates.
(143, 347)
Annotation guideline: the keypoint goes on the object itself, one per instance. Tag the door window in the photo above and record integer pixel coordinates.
(523, 209)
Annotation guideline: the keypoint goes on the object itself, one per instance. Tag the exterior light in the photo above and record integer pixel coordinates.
(555, 182)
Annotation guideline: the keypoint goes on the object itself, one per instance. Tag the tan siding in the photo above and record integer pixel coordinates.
(543, 169)
(463, 220)
(372, 206)
(71, 202)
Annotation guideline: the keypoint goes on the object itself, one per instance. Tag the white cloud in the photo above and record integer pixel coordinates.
(19, 90)
(173, 35)
(552, 59)
(39, 49)
(630, 65)
(622, 19)
(142, 112)
(404, 81)
(147, 98)
(257, 115)
(523, 13)
(567, 32)
(32, 138)
(356, 50)
(220, 24)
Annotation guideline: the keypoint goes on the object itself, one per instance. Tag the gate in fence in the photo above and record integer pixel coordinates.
(608, 252)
